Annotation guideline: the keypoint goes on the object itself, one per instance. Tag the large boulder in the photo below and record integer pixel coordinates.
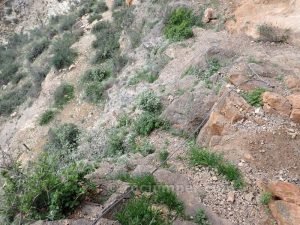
(190, 109)
(295, 102)
(285, 213)
(275, 103)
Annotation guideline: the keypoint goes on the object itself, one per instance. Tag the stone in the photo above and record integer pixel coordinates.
(275, 103)
(214, 178)
(292, 82)
(294, 100)
(249, 197)
(14, 114)
(284, 191)
(72, 67)
(237, 79)
(231, 197)
(285, 213)
(208, 15)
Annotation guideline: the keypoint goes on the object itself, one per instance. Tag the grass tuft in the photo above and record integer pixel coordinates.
(254, 97)
(265, 198)
(63, 94)
(47, 117)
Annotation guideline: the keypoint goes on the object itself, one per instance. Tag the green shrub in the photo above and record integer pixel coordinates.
(37, 49)
(204, 157)
(124, 120)
(118, 3)
(94, 92)
(265, 198)
(201, 218)
(116, 142)
(100, 26)
(143, 75)
(64, 56)
(273, 34)
(8, 70)
(100, 7)
(63, 94)
(179, 24)
(254, 97)
(67, 22)
(145, 182)
(11, 100)
(96, 75)
(149, 102)
(164, 195)
(205, 75)
(148, 122)
(47, 117)
(44, 191)
(138, 211)
(94, 17)
(163, 156)
(63, 140)
(145, 148)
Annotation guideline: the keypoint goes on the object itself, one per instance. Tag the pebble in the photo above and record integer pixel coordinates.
(249, 197)
(214, 178)
(231, 197)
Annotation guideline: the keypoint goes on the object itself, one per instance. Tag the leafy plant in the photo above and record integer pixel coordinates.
(116, 142)
(94, 92)
(254, 97)
(67, 21)
(145, 148)
(179, 24)
(201, 218)
(163, 156)
(144, 182)
(37, 49)
(204, 157)
(149, 102)
(47, 117)
(96, 75)
(265, 198)
(63, 94)
(143, 75)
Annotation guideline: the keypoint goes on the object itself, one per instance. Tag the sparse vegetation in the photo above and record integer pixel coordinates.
(116, 142)
(37, 49)
(96, 75)
(63, 94)
(201, 218)
(179, 24)
(143, 75)
(149, 101)
(265, 198)
(163, 156)
(204, 157)
(67, 21)
(47, 117)
(273, 34)
(254, 97)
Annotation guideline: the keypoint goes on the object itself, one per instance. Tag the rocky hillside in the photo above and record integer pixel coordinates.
(150, 112)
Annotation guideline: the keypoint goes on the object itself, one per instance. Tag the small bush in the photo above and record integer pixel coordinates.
(265, 198)
(116, 142)
(100, 7)
(166, 196)
(149, 102)
(203, 157)
(148, 122)
(96, 75)
(94, 92)
(145, 182)
(37, 49)
(67, 22)
(63, 139)
(143, 75)
(94, 17)
(118, 3)
(138, 211)
(163, 156)
(254, 97)
(124, 120)
(145, 148)
(47, 117)
(63, 94)
(273, 34)
(179, 24)
(201, 218)
(100, 26)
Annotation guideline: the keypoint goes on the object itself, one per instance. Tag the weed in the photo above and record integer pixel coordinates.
(96, 75)
(164, 195)
(94, 17)
(192, 71)
(148, 122)
(63, 94)
(124, 120)
(254, 97)
(47, 117)
(66, 22)
(179, 24)
(143, 75)
(94, 92)
(273, 34)
(116, 142)
(100, 26)
(138, 211)
(163, 156)
(145, 148)
(37, 49)
(201, 218)
(265, 198)
(204, 157)
(149, 101)
(145, 182)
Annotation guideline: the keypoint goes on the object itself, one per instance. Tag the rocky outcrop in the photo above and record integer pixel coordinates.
(285, 206)
(295, 102)
(292, 82)
(227, 112)
(275, 103)
(190, 109)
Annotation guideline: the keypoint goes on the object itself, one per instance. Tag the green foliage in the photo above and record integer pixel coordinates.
(96, 75)
(149, 101)
(265, 198)
(138, 211)
(145, 182)
(201, 218)
(47, 117)
(143, 75)
(116, 142)
(118, 3)
(64, 56)
(147, 122)
(37, 49)
(145, 148)
(94, 17)
(254, 97)
(11, 100)
(8, 64)
(63, 94)
(63, 140)
(273, 34)
(213, 67)
(163, 156)
(204, 157)
(44, 191)
(164, 195)
(101, 26)
(179, 24)
(124, 120)
(94, 92)
(67, 22)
